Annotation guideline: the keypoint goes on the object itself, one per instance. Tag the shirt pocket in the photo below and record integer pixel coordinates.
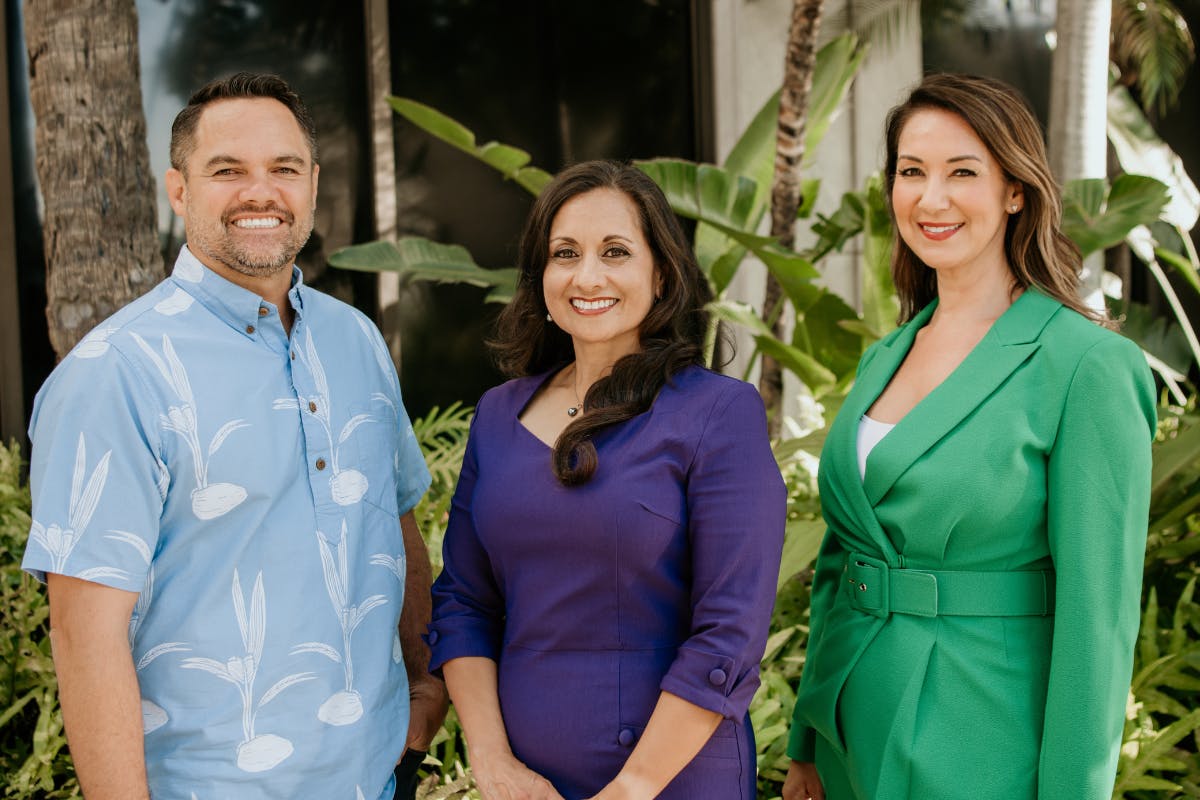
(368, 450)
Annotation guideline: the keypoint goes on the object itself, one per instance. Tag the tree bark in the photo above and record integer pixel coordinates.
(785, 187)
(1078, 138)
(92, 161)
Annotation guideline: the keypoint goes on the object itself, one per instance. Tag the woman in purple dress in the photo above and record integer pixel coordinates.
(614, 541)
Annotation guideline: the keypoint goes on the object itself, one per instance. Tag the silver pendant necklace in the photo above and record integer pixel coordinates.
(574, 410)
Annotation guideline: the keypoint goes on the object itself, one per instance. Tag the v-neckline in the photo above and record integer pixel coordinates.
(540, 382)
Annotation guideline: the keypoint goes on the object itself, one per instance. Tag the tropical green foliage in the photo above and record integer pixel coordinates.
(33, 757)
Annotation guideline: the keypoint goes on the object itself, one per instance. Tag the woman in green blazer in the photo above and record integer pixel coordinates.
(976, 598)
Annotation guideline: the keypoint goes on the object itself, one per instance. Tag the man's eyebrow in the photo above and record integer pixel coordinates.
(222, 160)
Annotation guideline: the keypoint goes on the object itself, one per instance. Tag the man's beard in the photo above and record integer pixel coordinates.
(258, 262)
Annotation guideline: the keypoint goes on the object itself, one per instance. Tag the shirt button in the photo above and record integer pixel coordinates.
(717, 677)
(312, 406)
(320, 463)
(293, 355)
(626, 737)
(262, 311)
(433, 637)
(249, 329)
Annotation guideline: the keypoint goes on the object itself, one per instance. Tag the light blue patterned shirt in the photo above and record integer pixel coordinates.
(249, 487)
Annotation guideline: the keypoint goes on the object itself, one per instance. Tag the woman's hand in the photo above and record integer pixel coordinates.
(503, 777)
(803, 782)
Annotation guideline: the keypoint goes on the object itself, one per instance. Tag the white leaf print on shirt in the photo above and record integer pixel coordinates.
(153, 715)
(395, 565)
(59, 541)
(346, 485)
(95, 344)
(209, 500)
(178, 302)
(256, 753)
(344, 707)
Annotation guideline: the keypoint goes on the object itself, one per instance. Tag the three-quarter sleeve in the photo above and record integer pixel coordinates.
(468, 607)
(97, 479)
(1098, 487)
(736, 505)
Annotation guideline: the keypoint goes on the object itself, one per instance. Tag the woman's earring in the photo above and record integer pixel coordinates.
(1014, 208)
(548, 317)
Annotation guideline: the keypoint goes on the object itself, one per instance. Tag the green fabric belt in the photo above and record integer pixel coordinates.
(879, 590)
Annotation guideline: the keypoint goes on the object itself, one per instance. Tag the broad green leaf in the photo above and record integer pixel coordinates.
(819, 331)
(836, 65)
(815, 375)
(1182, 265)
(1096, 217)
(725, 201)
(509, 161)
(418, 259)
(1156, 334)
(881, 307)
(801, 542)
(1141, 152)
(1173, 455)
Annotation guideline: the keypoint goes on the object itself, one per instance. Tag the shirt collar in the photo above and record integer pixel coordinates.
(235, 306)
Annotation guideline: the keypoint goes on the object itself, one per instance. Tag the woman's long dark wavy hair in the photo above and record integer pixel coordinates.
(672, 334)
(1038, 252)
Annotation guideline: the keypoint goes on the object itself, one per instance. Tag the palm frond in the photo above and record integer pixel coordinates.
(1153, 49)
(442, 435)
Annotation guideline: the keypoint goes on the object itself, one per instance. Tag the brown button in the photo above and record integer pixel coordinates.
(262, 311)
(312, 406)
(249, 329)
(293, 355)
(320, 463)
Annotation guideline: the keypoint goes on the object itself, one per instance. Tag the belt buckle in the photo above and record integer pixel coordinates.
(869, 584)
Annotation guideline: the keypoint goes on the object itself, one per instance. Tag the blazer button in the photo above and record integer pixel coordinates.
(433, 637)
(717, 677)
(626, 737)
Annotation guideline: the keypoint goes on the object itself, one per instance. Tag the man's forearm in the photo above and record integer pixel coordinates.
(98, 687)
(428, 693)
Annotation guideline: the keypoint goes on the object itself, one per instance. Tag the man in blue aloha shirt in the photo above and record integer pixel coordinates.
(223, 475)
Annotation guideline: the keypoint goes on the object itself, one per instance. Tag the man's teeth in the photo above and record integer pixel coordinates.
(258, 222)
(941, 228)
(593, 305)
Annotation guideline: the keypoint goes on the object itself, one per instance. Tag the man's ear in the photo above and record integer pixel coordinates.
(176, 189)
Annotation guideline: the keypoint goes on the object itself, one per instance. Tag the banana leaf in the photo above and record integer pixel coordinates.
(1096, 216)
(419, 259)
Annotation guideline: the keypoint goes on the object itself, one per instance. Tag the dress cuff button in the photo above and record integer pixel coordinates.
(717, 677)
(433, 637)
(626, 737)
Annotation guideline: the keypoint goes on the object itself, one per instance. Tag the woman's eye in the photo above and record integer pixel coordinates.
(564, 252)
(963, 172)
(616, 252)
(908, 172)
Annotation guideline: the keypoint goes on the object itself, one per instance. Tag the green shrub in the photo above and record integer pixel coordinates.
(33, 753)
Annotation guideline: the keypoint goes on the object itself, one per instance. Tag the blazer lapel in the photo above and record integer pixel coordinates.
(1011, 340)
(843, 497)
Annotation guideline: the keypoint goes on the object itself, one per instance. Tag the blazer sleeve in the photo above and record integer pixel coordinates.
(1098, 496)
(736, 512)
(468, 606)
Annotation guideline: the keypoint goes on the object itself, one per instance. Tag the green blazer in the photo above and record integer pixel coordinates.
(1030, 462)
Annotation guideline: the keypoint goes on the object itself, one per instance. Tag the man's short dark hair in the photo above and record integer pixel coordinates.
(242, 86)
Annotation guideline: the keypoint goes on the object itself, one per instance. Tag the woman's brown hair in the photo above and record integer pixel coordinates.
(672, 334)
(1039, 254)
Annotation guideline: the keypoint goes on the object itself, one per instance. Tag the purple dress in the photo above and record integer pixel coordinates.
(656, 575)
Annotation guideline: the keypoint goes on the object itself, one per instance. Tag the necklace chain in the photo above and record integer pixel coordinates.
(574, 410)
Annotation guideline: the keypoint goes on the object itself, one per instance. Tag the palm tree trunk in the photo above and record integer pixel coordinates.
(93, 163)
(1078, 140)
(785, 188)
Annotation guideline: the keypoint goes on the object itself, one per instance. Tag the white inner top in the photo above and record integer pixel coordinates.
(869, 433)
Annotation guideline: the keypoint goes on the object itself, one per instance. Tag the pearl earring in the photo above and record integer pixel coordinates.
(548, 317)
(1014, 208)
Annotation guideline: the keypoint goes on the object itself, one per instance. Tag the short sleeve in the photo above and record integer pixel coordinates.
(412, 478)
(97, 480)
(468, 608)
(736, 513)
(1098, 502)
